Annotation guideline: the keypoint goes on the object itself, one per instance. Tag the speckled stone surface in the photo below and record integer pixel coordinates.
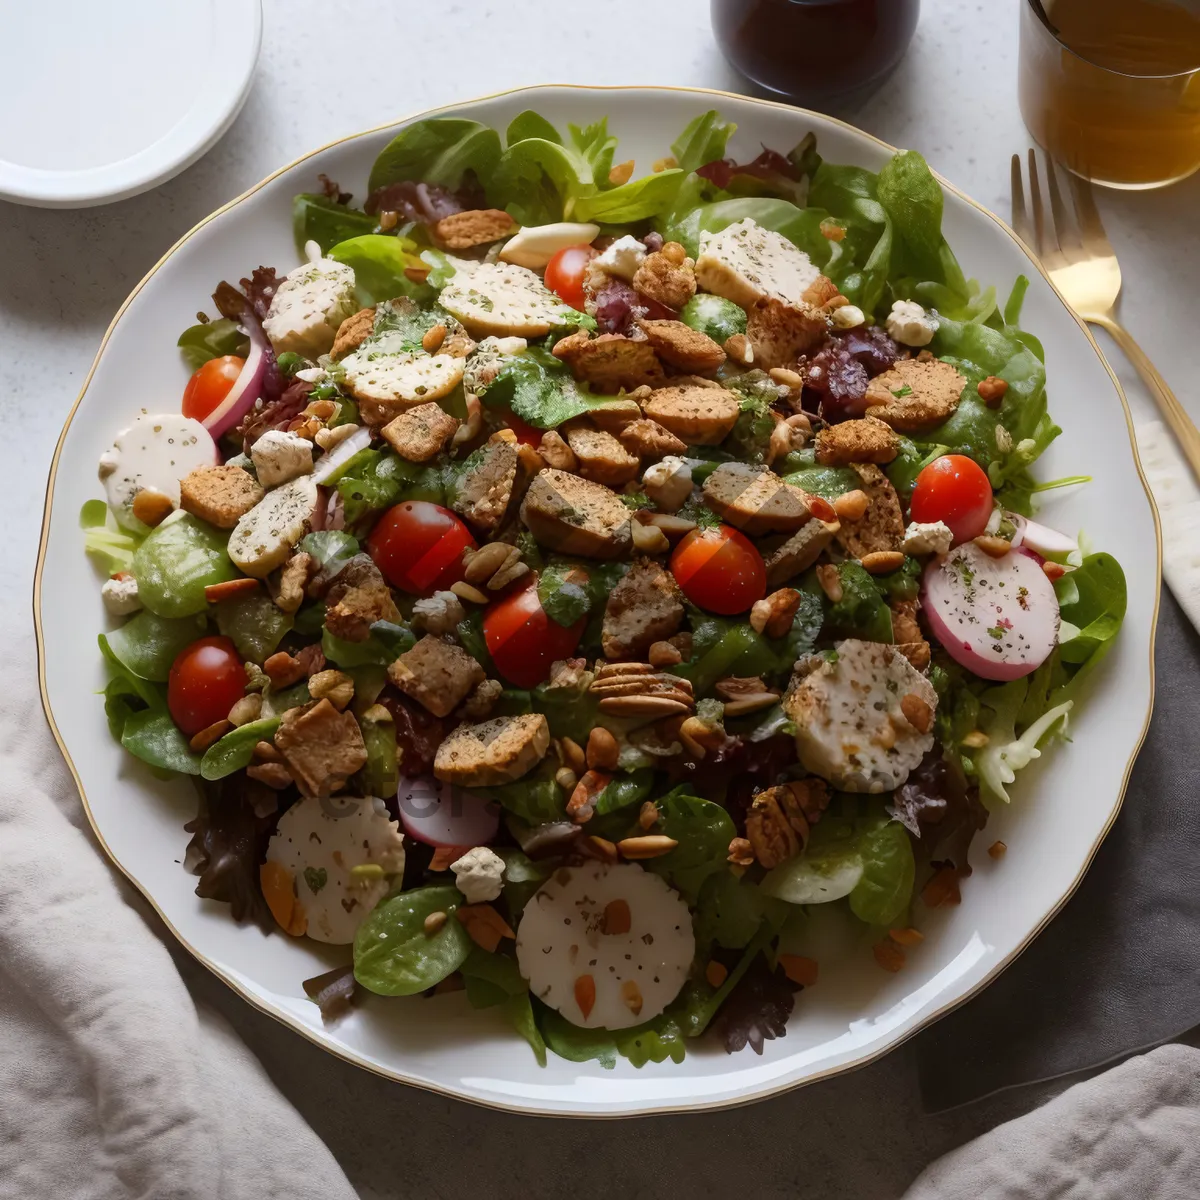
(63, 275)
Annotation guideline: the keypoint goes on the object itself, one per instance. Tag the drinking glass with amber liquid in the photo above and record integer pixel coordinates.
(1111, 88)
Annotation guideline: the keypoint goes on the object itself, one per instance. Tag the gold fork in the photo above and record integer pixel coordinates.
(1080, 260)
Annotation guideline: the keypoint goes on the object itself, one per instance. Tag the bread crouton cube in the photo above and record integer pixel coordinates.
(800, 551)
(486, 486)
(683, 347)
(700, 416)
(779, 333)
(321, 747)
(602, 458)
(915, 394)
(861, 441)
(649, 440)
(882, 526)
(610, 362)
(576, 516)
(755, 500)
(436, 673)
(357, 598)
(420, 433)
(476, 227)
(219, 495)
(493, 752)
(645, 607)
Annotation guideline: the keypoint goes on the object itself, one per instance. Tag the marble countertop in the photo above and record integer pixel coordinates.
(861, 1136)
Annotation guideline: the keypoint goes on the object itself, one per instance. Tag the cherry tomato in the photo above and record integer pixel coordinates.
(954, 489)
(419, 546)
(529, 434)
(719, 570)
(523, 641)
(210, 385)
(566, 271)
(206, 681)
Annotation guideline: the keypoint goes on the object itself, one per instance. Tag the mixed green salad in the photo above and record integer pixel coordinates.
(569, 584)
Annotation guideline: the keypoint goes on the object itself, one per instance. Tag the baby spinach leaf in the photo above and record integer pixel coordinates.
(236, 749)
(381, 774)
(380, 261)
(212, 339)
(324, 221)
(703, 830)
(522, 877)
(573, 1042)
(491, 978)
(1092, 598)
(623, 790)
(535, 799)
(394, 956)
(384, 645)
(730, 911)
(519, 1011)
(255, 623)
(176, 562)
(439, 150)
(884, 892)
(702, 141)
(148, 644)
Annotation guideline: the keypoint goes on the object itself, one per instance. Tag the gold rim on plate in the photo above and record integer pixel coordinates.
(359, 1061)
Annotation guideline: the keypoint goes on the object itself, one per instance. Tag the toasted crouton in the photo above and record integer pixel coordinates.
(352, 332)
(649, 440)
(800, 551)
(667, 276)
(219, 495)
(755, 500)
(493, 752)
(486, 487)
(617, 413)
(864, 441)
(476, 227)
(601, 457)
(915, 394)
(882, 527)
(576, 516)
(436, 673)
(609, 362)
(321, 747)
(420, 433)
(645, 607)
(683, 347)
(779, 333)
(357, 598)
(701, 416)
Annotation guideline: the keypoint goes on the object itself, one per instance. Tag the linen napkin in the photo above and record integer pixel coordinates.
(1119, 969)
(115, 1084)
(1133, 1132)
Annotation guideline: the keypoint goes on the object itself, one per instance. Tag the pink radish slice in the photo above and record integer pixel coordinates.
(446, 816)
(329, 468)
(998, 617)
(247, 387)
(1041, 538)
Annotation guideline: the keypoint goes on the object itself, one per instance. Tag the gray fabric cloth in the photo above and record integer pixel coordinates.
(1132, 1133)
(1119, 969)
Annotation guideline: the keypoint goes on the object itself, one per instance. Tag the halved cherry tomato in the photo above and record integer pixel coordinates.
(566, 271)
(210, 385)
(206, 680)
(719, 570)
(523, 641)
(419, 546)
(954, 489)
(529, 434)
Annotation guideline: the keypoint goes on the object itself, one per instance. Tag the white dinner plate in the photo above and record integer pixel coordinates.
(1064, 804)
(102, 101)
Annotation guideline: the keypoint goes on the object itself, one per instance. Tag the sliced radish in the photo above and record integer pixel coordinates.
(1041, 538)
(998, 617)
(442, 815)
(329, 469)
(247, 387)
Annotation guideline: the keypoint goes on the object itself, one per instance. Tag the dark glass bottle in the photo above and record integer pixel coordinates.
(814, 51)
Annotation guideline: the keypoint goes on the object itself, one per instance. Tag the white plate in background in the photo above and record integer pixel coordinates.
(100, 101)
(1064, 804)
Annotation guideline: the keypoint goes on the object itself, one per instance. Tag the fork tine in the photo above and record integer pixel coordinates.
(1020, 217)
(1090, 224)
(1064, 222)
(1045, 245)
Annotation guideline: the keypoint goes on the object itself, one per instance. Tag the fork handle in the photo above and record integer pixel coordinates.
(1173, 413)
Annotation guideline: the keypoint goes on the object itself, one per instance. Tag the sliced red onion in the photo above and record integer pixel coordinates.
(247, 387)
(1041, 538)
(441, 815)
(328, 469)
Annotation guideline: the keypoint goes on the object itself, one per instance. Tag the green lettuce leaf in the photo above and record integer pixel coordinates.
(702, 141)
(147, 644)
(439, 150)
(212, 339)
(324, 221)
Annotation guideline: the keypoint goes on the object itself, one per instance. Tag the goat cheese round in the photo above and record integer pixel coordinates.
(864, 717)
(320, 841)
(608, 946)
(153, 455)
(308, 306)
